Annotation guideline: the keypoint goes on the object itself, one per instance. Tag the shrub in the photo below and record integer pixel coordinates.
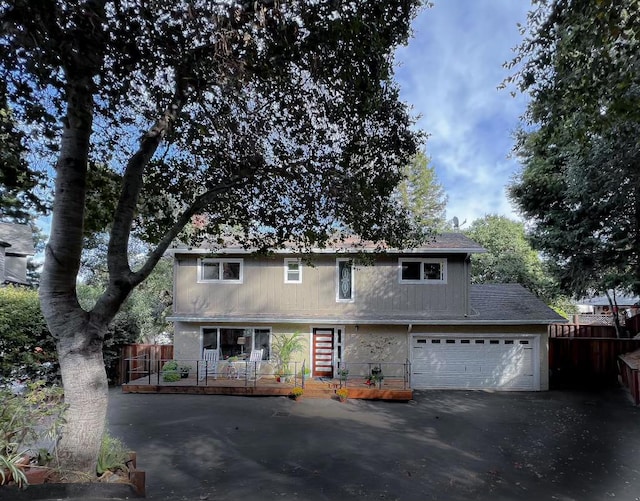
(113, 455)
(25, 421)
(171, 372)
(27, 350)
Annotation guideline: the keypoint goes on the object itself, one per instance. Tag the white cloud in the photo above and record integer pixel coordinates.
(449, 73)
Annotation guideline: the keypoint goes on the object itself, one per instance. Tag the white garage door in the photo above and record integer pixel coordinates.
(491, 362)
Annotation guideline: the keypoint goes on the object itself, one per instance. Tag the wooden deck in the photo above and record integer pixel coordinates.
(268, 386)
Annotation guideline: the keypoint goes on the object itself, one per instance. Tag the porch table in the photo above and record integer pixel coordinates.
(232, 370)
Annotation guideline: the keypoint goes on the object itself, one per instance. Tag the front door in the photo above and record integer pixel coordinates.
(323, 353)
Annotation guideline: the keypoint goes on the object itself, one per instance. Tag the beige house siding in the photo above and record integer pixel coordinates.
(388, 346)
(263, 290)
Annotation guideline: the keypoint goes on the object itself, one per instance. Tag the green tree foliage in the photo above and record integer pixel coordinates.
(279, 119)
(27, 350)
(123, 329)
(150, 303)
(580, 182)
(422, 195)
(147, 306)
(18, 181)
(509, 257)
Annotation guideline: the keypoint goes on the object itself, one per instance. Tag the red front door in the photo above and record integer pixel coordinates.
(323, 353)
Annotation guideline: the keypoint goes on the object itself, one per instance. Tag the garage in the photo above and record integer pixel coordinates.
(498, 362)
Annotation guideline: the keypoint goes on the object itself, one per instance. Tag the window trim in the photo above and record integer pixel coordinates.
(353, 281)
(287, 261)
(202, 260)
(422, 261)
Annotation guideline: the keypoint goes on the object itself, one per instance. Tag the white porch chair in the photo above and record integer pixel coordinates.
(209, 364)
(251, 368)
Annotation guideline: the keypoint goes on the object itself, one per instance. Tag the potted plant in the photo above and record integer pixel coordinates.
(342, 394)
(184, 371)
(296, 393)
(375, 377)
(343, 374)
(284, 347)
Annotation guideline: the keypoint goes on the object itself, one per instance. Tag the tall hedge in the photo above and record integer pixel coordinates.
(27, 350)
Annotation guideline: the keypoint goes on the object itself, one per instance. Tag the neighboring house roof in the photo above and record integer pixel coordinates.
(453, 242)
(19, 237)
(621, 300)
(491, 304)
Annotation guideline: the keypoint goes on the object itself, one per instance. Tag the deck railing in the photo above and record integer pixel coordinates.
(143, 368)
(374, 373)
(200, 372)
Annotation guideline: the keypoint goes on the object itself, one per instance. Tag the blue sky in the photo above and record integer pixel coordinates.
(449, 74)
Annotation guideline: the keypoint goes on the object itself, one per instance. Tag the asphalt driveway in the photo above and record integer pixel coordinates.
(444, 445)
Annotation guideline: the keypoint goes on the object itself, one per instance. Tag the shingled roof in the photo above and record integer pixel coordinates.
(509, 302)
(19, 237)
(453, 242)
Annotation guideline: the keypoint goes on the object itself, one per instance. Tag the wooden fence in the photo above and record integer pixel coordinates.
(582, 331)
(633, 324)
(587, 361)
(136, 357)
(629, 368)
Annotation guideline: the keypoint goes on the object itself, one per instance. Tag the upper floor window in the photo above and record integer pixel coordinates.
(220, 270)
(344, 280)
(292, 271)
(423, 271)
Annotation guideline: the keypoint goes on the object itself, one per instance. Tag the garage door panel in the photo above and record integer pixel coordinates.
(473, 363)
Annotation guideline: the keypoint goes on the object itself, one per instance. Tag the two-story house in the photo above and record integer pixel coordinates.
(353, 305)
(16, 247)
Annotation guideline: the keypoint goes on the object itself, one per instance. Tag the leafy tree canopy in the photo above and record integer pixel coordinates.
(18, 181)
(280, 120)
(282, 117)
(422, 195)
(509, 257)
(580, 182)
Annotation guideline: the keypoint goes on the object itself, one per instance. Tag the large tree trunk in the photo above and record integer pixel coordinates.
(85, 388)
(78, 334)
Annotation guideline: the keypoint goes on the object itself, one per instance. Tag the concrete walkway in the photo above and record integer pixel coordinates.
(444, 445)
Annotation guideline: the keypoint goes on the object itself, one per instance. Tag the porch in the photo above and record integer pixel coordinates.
(150, 376)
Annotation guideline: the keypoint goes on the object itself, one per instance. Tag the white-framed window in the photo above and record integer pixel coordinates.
(345, 290)
(237, 341)
(420, 271)
(292, 271)
(220, 270)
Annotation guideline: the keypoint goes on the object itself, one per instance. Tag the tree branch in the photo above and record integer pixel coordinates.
(197, 206)
(132, 183)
